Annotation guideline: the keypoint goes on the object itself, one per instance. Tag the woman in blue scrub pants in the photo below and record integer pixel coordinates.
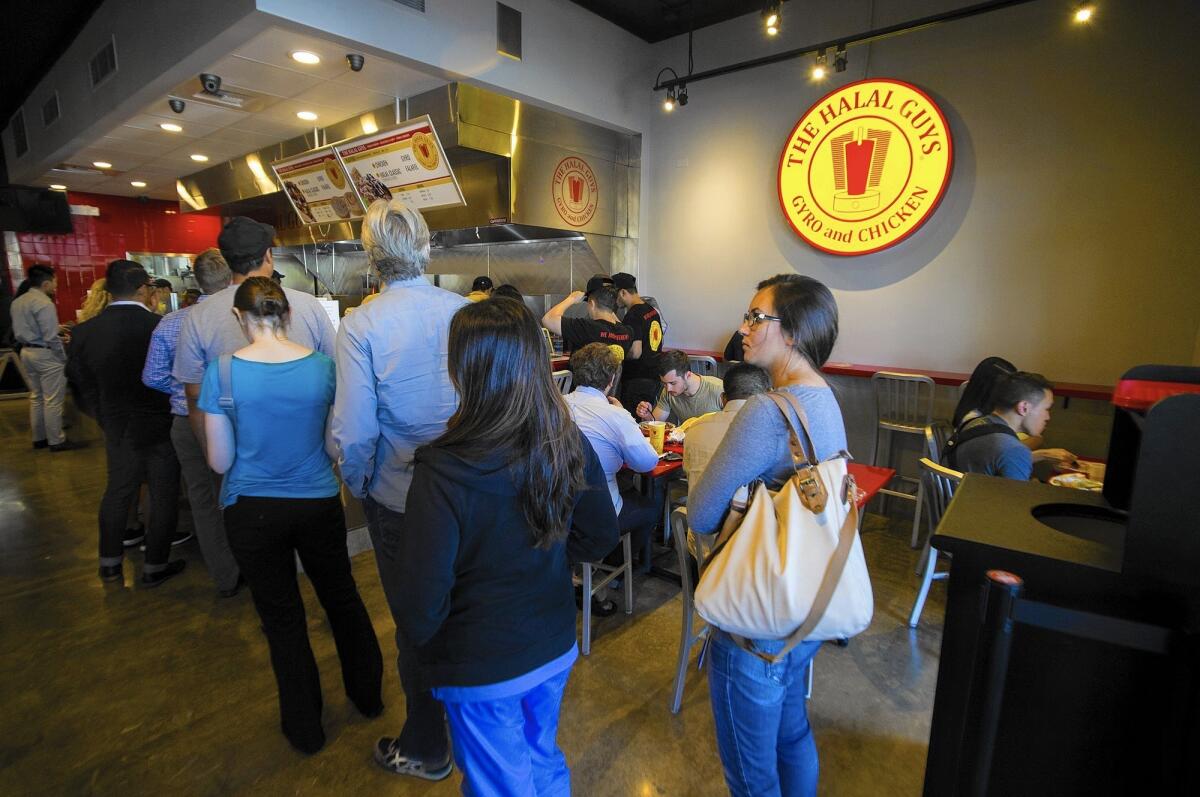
(501, 506)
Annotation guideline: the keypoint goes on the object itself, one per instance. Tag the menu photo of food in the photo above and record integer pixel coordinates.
(317, 186)
(406, 162)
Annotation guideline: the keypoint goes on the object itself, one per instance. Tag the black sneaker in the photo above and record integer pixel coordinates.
(111, 573)
(151, 580)
(41, 443)
(234, 590)
(67, 445)
(389, 756)
(179, 538)
(134, 536)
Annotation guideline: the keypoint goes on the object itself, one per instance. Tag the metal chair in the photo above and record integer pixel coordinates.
(590, 587)
(705, 366)
(688, 635)
(562, 380)
(936, 435)
(904, 404)
(940, 484)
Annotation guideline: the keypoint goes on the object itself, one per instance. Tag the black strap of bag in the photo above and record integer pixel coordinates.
(225, 380)
(971, 430)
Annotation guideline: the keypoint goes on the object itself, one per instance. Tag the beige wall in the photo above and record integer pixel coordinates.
(1067, 241)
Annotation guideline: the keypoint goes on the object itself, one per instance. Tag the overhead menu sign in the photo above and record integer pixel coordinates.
(406, 162)
(317, 186)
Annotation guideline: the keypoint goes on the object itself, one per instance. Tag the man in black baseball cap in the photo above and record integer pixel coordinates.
(601, 325)
(246, 244)
(640, 380)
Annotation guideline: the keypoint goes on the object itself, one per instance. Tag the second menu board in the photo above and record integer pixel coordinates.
(406, 162)
(316, 184)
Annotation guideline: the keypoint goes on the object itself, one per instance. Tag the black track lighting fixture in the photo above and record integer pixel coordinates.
(839, 59)
(820, 68)
(672, 99)
(681, 98)
(772, 16)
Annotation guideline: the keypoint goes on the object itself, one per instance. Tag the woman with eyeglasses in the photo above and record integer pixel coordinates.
(500, 507)
(763, 735)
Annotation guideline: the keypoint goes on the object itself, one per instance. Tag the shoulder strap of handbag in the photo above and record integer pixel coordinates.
(225, 379)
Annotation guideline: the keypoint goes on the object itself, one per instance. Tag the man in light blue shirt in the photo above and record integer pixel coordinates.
(615, 436)
(393, 395)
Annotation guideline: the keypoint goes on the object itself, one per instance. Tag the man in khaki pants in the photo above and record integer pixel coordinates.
(35, 326)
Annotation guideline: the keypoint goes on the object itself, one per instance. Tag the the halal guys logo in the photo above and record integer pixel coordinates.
(865, 167)
(575, 191)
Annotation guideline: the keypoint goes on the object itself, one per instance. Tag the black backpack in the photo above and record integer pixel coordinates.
(971, 430)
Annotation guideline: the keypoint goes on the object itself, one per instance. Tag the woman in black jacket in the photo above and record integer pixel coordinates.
(500, 507)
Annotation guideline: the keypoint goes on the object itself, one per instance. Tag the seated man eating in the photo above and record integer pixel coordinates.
(684, 394)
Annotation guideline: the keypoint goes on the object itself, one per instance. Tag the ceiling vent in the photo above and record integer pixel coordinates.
(75, 168)
(234, 98)
(508, 31)
(50, 110)
(415, 5)
(20, 140)
(104, 63)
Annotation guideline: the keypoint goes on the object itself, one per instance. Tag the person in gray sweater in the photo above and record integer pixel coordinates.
(763, 735)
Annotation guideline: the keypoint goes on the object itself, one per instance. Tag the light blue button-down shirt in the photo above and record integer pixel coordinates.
(393, 387)
(614, 435)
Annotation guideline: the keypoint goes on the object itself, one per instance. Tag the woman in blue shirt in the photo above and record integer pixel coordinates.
(500, 506)
(281, 500)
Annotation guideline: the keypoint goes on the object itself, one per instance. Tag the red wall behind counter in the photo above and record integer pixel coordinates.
(124, 225)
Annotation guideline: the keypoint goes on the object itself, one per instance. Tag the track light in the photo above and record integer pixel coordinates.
(819, 69)
(669, 102)
(839, 59)
(682, 98)
(1084, 12)
(772, 16)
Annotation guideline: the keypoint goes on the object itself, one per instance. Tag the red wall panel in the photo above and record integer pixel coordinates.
(124, 225)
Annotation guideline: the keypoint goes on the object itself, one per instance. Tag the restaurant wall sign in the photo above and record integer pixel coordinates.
(865, 167)
(575, 190)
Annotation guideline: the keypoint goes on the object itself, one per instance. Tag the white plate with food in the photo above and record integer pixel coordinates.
(1076, 481)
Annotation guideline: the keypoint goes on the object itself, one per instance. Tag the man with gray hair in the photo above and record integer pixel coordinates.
(393, 395)
(212, 275)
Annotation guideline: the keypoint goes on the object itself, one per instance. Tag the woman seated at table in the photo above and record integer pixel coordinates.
(500, 507)
(978, 399)
(763, 735)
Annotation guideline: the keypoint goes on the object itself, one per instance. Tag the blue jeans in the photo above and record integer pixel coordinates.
(766, 745)
(508, 747)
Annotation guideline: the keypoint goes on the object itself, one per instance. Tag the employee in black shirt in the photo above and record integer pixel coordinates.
(601, 327)
(639, 379)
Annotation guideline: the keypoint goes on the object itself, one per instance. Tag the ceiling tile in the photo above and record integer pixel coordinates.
(196, 111)
(236, 72)
(390, 78)
(146, 148)
(274, 46)
(347, 99)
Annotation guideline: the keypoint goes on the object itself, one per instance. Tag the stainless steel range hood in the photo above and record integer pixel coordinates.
(504, 153)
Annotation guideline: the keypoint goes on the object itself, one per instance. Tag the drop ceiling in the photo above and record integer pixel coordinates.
(139, 149)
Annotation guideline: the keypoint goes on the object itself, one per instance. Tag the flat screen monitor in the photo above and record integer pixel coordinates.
(28, 209)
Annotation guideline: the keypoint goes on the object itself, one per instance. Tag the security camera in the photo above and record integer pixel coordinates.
(177, 105)
(356, 61)
(210, 83)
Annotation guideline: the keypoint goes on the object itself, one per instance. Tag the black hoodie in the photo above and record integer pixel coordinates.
(482, 604)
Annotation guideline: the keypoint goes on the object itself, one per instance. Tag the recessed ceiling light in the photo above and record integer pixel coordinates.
(1084, 12)
(102, 164)
(171, 127)
(200, 158)
(306, 57)
(57, 187)
(137, 183)
(307, 116)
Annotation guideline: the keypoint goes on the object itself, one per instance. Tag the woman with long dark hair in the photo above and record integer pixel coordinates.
(976, 398)
(500, 507)
(265, 429)
(763, 735)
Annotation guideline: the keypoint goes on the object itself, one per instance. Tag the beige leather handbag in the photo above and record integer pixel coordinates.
(789, 564)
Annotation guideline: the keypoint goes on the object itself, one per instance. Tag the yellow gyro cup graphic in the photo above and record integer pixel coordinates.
(865, 167)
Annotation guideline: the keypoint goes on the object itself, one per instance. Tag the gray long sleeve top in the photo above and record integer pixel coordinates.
(756, 446)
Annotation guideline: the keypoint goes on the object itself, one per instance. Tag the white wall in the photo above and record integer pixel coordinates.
(1066, 241)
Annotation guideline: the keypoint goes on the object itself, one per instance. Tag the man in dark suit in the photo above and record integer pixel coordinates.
(105, 364)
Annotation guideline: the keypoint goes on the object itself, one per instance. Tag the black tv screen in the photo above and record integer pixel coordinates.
(27, 209)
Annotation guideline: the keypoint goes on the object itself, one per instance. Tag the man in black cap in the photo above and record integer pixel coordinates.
(602, 325)
(107, 355)
(639, 380)
(211, 329)
(581, 310)
(481, 289)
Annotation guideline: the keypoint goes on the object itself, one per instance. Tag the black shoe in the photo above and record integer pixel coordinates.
(111, 573)
(67, 445)
(134, 536)
(308, 743)
(151, 580)
(41, 443)
(234, 590)
(599, 608)
(179, 538)
(371, 712)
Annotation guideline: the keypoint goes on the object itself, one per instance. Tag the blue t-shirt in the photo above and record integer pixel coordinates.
(280, 427)
(996, 454)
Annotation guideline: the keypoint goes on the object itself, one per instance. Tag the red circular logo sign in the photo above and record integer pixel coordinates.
(575, 191)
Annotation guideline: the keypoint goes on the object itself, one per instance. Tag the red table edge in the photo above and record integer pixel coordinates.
(948, 378)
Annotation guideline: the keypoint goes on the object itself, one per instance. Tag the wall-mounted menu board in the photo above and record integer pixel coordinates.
(317, 186)
(406, 162)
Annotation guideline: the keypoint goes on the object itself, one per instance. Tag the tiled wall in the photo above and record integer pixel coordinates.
(124, 225)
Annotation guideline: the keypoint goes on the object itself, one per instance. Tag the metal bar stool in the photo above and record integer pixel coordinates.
(590, 588)
(705, 366)
(562, 380)
(939, 484)
(904, 404)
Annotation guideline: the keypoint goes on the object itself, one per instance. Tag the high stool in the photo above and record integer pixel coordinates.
(904, 404)
(591, 587)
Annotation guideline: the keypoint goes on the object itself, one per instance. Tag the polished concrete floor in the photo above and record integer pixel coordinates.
(112, 689)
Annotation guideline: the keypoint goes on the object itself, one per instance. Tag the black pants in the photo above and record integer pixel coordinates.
(424, 734)
(128, 467)
(639, 515)
(265, 534)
